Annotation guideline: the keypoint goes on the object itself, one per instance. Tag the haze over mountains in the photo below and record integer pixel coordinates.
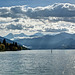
(22, 35)
(58, 41)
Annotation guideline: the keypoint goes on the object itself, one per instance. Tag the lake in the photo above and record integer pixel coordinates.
(37, 62)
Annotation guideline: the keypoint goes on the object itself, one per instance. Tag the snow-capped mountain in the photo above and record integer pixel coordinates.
(20, 35)
(9, 36)
(15, 36)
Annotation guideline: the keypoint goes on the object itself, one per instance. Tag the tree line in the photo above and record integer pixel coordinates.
(4, 46)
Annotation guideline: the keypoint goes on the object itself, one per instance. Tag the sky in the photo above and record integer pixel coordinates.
(32, 16)
(32, 3)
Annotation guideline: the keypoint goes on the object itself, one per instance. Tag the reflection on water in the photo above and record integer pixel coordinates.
(38, 62)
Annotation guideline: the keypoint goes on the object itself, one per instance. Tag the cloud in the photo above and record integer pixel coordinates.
(55, 30)
(14, 27)
(59, 17)
(55, 10)
(63, 12)
(13, 12)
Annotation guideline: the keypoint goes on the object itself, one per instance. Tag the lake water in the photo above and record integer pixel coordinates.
(38, 62)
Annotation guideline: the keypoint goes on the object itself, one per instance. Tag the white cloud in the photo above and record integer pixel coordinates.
(14, 27)
(55, 10)
(53, 18)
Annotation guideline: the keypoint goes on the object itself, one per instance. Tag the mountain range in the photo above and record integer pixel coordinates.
(12, 36)
(58, 41)
(36, 35)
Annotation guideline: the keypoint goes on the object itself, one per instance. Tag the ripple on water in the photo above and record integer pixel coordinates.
(37, 62)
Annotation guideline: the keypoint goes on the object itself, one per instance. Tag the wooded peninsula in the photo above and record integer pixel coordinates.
(4, 46)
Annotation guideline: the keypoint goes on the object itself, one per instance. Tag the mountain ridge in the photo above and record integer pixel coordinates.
(58, 41)
(12, 36)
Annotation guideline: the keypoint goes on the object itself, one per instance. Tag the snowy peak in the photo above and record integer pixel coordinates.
(20, 35)
(12, 36)
(9, 36)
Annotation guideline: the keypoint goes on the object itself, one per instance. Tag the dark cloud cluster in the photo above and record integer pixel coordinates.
(14, 27)
(13, 12)
(39, 18)
(55, 30)
(55, 10)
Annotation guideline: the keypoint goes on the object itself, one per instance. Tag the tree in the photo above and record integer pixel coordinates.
(2, 47)
(0, 42)
(7, 46)
(4, 42)
(13, 44)
(14, 48)
(16, 44)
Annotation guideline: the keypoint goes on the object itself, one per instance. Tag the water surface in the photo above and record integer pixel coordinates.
(38, 62)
